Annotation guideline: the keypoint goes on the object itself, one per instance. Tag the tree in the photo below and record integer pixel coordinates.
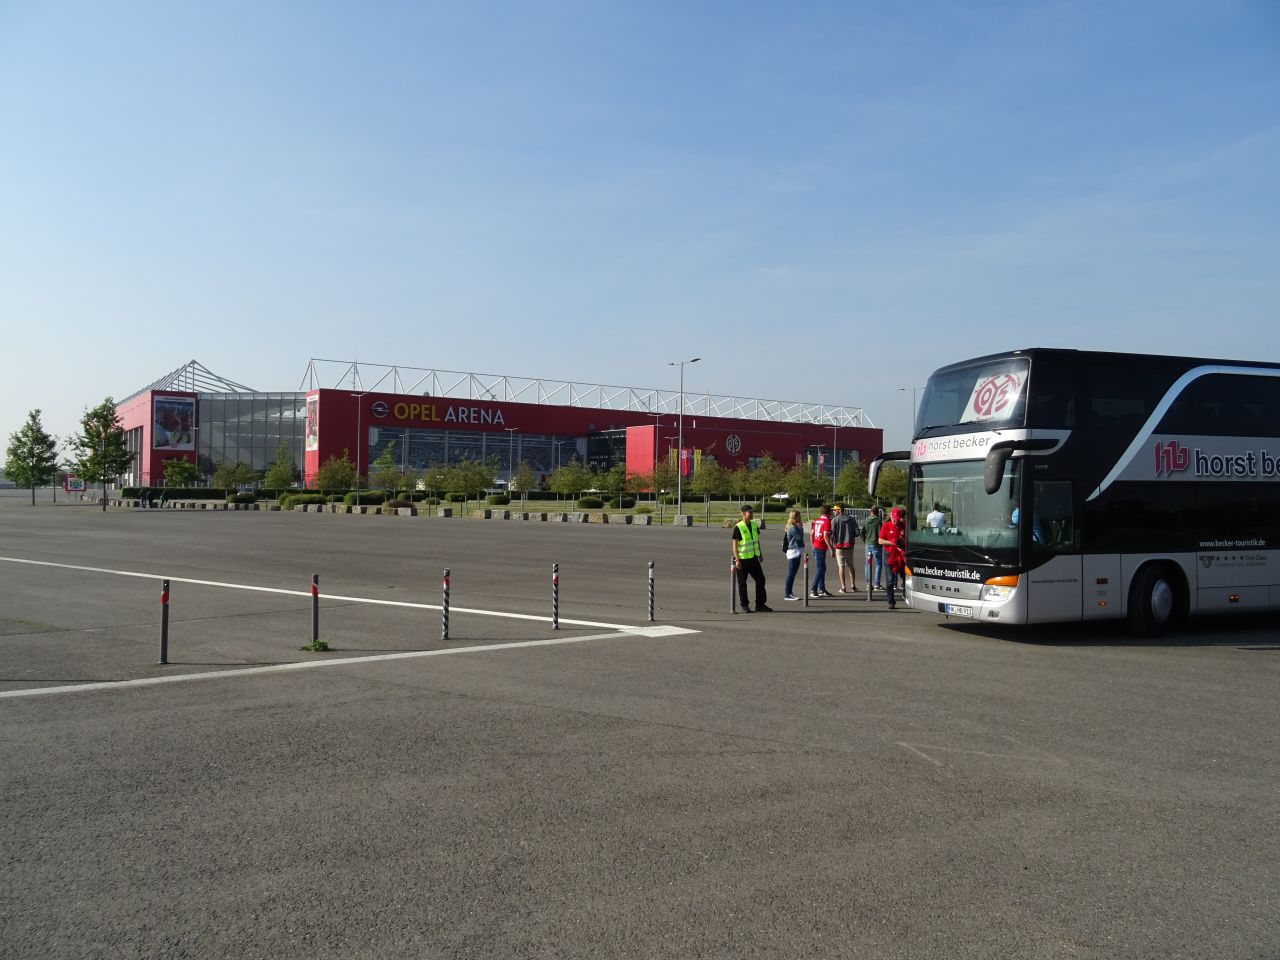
(739, 481)
(614, 480)
(851, 484)
(891, 485)
(709, 478)
(231, 475)
(32, 457)
(386, 473)
(766, 478)
(336, 473)
(525, 480)
(180, 472)
(436, 478)
(470, 476)
(570, 479)
(283, 471)
(99, 451)
(803, 483)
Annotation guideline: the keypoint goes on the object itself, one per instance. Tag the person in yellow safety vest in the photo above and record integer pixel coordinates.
(747, 555)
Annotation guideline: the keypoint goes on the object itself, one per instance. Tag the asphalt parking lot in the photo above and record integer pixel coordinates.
(836, 781)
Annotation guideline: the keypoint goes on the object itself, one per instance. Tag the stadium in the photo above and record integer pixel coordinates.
(442, 417)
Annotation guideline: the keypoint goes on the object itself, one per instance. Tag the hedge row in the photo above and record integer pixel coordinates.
(177, 493)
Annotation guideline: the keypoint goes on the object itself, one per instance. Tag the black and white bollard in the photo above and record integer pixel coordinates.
(444, 607)
(315, 607)
(651, 591)
(555, 596)
(806, 590)
(164, 622)
(733, 586)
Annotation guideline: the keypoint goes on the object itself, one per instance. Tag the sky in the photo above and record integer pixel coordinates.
(823, 201)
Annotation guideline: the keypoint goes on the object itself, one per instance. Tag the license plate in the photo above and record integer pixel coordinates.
(952, 610)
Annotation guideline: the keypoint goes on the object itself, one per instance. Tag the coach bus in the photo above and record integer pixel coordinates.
(1068, 485)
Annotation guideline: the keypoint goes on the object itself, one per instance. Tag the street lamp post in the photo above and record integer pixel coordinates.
(359, 410)
(511, 457)
(912, 430)
(835, 459)
(680, 438)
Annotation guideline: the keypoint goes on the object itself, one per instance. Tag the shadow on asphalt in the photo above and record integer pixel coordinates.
(1255, 632)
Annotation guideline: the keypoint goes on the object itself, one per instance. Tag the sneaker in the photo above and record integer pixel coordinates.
(763, 609)
(745, 610)
(815, 595)
(826, 594)
(790, 596)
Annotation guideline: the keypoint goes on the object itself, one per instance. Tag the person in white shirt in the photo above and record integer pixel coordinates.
(937, 520)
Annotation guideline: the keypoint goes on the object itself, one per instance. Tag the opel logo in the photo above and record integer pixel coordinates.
(379, 409)
(733, 443)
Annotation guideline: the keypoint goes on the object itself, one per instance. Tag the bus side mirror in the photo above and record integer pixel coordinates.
(993, 467)
(873, 472)
(998, 456)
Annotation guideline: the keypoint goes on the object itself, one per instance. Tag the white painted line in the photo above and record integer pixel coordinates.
(307, 665)
(920, 753)
(323, 595)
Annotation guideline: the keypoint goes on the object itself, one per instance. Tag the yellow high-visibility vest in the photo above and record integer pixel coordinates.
(749, 545)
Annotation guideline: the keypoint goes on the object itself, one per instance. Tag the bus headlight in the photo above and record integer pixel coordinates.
(999, 588)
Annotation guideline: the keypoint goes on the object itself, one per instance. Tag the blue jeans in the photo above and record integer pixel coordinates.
(876, 552)
(819, 571)
(793, 564)
(893, 583)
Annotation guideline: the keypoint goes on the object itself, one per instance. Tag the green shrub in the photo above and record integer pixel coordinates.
(335, 498)
(622, 503)
(457, 497)
(368, 498)
(775, 506)
(247, 496)
(590, 503)
(431, 501)
(644, 508)
(540, 495)
(398, 503)
(498, 499)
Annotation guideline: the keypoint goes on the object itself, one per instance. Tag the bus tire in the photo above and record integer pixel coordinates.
(1155, 600)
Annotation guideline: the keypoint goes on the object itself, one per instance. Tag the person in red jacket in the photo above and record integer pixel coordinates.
(818, 531)
(893, 537)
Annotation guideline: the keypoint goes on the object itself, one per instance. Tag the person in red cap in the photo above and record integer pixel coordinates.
(893, 537)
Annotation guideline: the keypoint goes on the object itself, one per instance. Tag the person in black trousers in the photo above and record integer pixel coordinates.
(747, 554)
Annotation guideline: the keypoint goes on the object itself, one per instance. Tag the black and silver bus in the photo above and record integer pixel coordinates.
(1052, 485)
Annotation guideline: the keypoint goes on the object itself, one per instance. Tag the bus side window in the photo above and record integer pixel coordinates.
(1054, 529)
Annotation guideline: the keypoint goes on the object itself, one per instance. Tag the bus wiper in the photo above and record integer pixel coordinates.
(976, 552)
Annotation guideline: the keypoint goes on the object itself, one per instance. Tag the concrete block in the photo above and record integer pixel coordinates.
(641, 520)
(481, 514)
(406, 511)
(558, 517)
(445, 512)
(683, 520)
(620, 518)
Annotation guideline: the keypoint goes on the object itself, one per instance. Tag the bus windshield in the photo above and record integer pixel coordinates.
(974, 527)
(987, 393)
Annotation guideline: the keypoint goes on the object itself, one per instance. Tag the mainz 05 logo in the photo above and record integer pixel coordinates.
(992, 395)
(733, 443)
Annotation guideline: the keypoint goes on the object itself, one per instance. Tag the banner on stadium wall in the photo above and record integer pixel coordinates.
(173, 423)
(313, 423)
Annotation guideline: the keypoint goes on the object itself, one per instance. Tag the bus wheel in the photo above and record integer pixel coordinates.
(1153, 601)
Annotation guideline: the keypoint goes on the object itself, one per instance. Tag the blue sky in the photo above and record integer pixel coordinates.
(824, 201)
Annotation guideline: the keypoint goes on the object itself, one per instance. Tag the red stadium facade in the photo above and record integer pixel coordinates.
(195, 415)
(337, 419)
